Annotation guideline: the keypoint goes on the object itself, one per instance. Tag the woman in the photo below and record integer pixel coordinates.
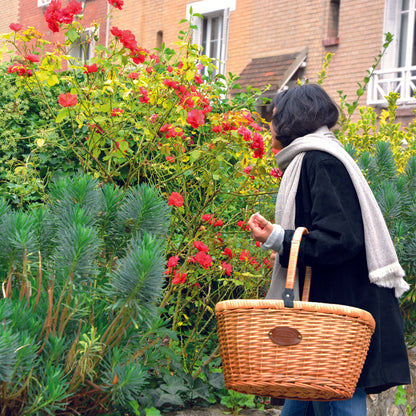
(348, 246)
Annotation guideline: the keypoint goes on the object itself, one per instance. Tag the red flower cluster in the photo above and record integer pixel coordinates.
(228, 252)
(204, 259)
(245, 132)
(248, 170)
(177, 277)
(210, 219)
(195, 118)
(175, 199)
(246, 256)
(243, 225)
(116, 3)
(199, 245)
(117, 112)
(189, 98)
(133, 75)
(277, 173)
(20, 69)
(171, 131)
(267, 263)
(128, 40)
(32, 58)
(67, 100)
(257, 145)
(89, 69)
(16, 27)
(54, 14)
(144, 95)
(227, 268)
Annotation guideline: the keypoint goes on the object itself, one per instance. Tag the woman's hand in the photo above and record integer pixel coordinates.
(260, 227)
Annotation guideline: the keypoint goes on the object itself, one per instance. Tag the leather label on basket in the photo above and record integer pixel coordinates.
(284, 335)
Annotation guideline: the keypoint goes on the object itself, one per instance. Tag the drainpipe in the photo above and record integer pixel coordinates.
(107, 26)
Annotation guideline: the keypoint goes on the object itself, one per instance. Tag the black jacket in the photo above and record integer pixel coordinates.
(327, 205)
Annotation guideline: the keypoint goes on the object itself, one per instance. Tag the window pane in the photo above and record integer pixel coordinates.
(404, 27)
(405, 4)
(216, 38)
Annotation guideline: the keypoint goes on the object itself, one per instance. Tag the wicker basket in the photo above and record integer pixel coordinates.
(293, 349)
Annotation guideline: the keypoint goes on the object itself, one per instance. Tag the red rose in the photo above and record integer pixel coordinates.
(227, 268)
(88, 69)
(242, 225)
(195, 118)
(206, 217)
(116, 3)
(67, 100)
(228, 252)
(144, 95)
(32, 58)
(116, 112)
(74, 8)
(199, 245)
(203, 259)
(16, 27)
(179, 278)
(277, 173)
(115, 31)
(173, 261)
(175, 199)
(18, 68)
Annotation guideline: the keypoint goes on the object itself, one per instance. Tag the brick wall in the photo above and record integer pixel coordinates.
(29, 14)
(257, 28)
(9, 14)
(274, 27)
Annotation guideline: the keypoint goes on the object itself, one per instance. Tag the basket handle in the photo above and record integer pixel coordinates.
(288, 295)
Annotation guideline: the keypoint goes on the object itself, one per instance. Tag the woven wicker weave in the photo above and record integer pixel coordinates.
(324, 364)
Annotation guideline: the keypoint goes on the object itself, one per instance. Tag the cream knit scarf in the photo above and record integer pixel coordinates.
(383, 266)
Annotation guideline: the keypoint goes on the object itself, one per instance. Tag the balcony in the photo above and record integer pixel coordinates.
(400, 80)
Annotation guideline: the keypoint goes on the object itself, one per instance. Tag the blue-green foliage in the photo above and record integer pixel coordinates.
(81, 277)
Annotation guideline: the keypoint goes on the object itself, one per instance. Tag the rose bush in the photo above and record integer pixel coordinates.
(130, 117)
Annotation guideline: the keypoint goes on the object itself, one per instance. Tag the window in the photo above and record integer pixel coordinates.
(332, 24)
(212, 30)
(398, 73)
(42, 3)
(83, 48)
(159, 39)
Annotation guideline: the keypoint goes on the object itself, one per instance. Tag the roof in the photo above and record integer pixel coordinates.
(275, 71)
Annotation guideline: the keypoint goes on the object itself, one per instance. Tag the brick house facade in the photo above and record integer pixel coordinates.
(31, 13)
(274, 42)
(270, 30)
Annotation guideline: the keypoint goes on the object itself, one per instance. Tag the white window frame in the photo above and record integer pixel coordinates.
(211, 9)
(393, 77)
(42, 3)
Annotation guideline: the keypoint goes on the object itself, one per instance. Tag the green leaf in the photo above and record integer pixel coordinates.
(62, 115)
(72, 35)
(152, 412)
(194, 155)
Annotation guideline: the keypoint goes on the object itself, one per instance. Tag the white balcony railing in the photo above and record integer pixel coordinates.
(385, 81)
(42, 3)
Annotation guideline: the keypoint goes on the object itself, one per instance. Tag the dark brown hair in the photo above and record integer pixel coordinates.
(302, 110)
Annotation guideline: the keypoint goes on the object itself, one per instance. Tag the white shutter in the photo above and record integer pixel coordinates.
(392, 25)
(224, 41)
(197, 32)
